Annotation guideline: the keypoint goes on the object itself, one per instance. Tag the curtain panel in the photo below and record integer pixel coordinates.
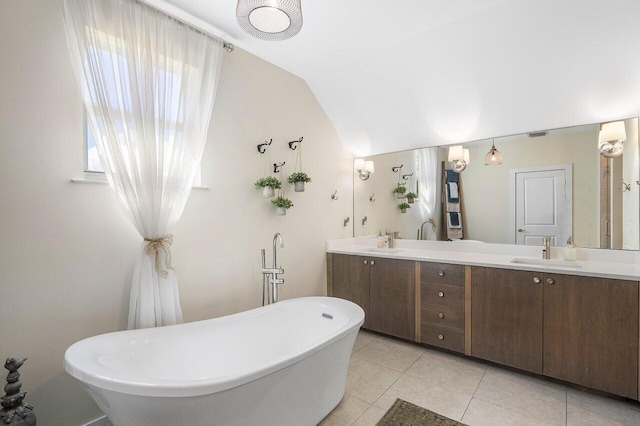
(148, 84)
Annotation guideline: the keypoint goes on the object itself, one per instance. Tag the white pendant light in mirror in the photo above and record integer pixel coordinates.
(458, 158)
(611, 138)
(272, 20)
(493, 157)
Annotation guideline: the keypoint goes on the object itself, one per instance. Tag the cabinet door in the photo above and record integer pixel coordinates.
(350, 281)
(392, 297)
(591, 332)
(506, 323)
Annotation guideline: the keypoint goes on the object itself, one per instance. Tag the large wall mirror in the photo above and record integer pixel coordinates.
(549, 183)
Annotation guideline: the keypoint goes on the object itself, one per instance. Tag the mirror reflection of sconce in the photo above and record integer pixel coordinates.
(364, 168)
(334, 196)
(458, 158)
(364, 220)
(373, 196)
(611, 138)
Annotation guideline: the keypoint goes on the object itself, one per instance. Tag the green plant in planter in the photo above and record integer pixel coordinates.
(399, 191)
(299, 177)
(403, 207)
(268, 181)
(411, 197)
(282, 202)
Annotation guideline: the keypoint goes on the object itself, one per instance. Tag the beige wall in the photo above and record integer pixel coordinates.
(67, 249)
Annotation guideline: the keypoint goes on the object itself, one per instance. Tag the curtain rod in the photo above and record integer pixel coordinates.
(189, 20)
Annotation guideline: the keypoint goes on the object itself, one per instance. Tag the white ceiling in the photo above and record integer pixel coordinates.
(395, 75)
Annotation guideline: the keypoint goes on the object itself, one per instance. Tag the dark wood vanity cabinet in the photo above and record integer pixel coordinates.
(579, 329)
(591, 332)
(506, 317)
(442, 311)
(384, 288)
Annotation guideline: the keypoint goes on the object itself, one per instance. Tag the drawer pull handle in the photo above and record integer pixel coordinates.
(536, 280)
(373, 262)
(550, 281)
(440, 315)
(441, 273)
(366, 262)
(440, 337)
(440, 294)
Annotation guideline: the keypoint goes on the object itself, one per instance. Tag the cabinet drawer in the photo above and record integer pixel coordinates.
(442, 315)
(443, 337)
(442, 273)
(442, 294)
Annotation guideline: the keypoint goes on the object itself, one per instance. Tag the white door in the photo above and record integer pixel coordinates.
(541, 204)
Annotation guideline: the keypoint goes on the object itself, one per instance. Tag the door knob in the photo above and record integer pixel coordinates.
(550, 281)
(536, 280)
(440, 336)
(440, 294)
(440, 315)
(441, 273)
(520, 230)
(373, 262)
(366, 262)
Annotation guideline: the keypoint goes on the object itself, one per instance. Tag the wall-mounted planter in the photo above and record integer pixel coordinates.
(268, 192)
(400, 191)
(268, 185)
(403, 207)
(298, 179)
(411, 197)
(282, 205)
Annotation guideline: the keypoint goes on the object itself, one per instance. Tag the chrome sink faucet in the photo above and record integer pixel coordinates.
(270, 275)
(546, 247)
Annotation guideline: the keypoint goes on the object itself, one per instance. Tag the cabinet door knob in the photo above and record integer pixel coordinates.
(440, 294)
(440, 315)
(373, 262)
(550, 281)
(536, 280)
(440, 337)
(520, 230)
(441, 273)
(366, 262)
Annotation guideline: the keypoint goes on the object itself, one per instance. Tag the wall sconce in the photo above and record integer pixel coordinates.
(493, 157)
(364, 168)
(610, 139)
(458, 158)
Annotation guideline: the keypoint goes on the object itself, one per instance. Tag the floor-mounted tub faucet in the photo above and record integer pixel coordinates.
(270, 280)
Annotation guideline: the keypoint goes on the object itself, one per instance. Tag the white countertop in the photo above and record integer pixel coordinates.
(616, 264)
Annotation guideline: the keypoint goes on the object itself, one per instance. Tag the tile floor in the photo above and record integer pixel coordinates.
(383, 369)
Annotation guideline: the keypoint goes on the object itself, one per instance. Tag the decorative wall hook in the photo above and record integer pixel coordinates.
(364, 220)
(292, 143)
(334, 196)
(262, 147)
(395, 169)
(276, 166)
(406, 177)
(346, 221)
(373, 198)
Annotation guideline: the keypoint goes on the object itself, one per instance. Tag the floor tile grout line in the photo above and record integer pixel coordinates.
(474, 394)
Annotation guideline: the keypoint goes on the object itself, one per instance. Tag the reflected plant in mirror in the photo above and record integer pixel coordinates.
(553, 182)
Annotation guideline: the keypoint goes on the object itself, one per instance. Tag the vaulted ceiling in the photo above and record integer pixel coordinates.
(395, 75)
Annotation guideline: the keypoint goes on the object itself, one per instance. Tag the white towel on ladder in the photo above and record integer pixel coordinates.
(453, 189)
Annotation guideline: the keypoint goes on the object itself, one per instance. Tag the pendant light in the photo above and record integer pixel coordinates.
(272, 20)
(493, 157)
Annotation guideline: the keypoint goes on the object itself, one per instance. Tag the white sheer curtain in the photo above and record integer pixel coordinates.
(427, 171)
(148, 84)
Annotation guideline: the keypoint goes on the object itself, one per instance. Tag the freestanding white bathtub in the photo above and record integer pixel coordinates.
(281, 364)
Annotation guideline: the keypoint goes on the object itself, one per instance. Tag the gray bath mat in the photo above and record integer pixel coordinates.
(403, 413)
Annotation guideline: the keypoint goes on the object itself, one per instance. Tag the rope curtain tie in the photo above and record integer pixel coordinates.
(154, 245)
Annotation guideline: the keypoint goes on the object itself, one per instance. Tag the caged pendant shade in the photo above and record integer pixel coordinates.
(493, 157)
(272, 20)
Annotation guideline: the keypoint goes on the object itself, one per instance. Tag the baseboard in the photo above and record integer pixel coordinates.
(100, 421)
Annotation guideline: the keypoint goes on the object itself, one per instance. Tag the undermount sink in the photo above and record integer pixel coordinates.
(547, 262)
(384, 250)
